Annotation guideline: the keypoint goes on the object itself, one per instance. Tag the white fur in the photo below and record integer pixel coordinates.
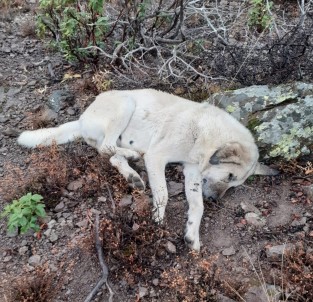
(164, 128)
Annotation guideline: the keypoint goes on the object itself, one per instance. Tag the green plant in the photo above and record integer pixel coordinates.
(79, 27)
(23, 213)
(259, 14)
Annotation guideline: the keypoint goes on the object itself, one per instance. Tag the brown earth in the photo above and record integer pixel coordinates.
(148, 262)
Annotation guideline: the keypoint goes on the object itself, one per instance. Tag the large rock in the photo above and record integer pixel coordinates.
(281, 117)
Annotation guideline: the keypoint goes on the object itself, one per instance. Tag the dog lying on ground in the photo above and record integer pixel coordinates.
(216, 150)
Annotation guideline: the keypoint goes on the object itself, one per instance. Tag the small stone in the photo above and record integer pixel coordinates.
(51, 224)
(34, 260)
(82, 223)
(248, 207)
(175, 188)
(229, 251)
(53, 267)
(276, 252)
(7, 258)
(126, 201)
(66, 215)
(75, 185)
(222, 298)
(59, 99)
(11, 132)
(136, 226)
(70, 111)
(47, 232)
(3, 119)
(23, 250)
(59, 207)
(53, 237)
(95, 211)
(32, 83)
(254, 219)
(170, 247)
(155, 282)
(24, 242)
(300, 222)
(143, 291)
(102, 199)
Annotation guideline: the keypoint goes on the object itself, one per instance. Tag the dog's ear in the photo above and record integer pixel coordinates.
(231, 153)
(264, 170)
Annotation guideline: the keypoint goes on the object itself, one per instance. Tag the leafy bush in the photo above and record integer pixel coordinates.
(75, 26)
(23, 213)
(259, 14)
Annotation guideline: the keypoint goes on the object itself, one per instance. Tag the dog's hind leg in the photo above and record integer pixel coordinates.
(133, 178)
(115, 124)
(193, 188)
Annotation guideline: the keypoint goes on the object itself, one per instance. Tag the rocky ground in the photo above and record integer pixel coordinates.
(243, 236)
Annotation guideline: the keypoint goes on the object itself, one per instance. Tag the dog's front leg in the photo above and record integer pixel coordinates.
(156, 173)
(193, 188)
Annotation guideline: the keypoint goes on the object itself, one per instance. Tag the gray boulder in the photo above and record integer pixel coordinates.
(280, 117)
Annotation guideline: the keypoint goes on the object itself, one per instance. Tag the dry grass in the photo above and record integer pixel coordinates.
(50, 169)
(39, 286)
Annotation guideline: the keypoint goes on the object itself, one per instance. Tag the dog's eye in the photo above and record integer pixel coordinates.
(230, 176)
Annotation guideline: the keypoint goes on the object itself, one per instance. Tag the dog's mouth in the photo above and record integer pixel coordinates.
(210, 193)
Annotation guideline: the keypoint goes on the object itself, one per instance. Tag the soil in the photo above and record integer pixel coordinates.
(238, 248)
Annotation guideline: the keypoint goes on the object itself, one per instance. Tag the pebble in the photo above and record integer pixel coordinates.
(155, 282)
(126, 201)
(7, 258)
(254, 219)
(59, 207)
(143, 291)
(170, 247)
(34, 260)
(23, 250)
(175, 188)
(75, 185)
(276, 252)
(53, 237)
(51, 224)
(229, 251)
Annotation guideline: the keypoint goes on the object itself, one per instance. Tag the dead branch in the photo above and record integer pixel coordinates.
(104, 267)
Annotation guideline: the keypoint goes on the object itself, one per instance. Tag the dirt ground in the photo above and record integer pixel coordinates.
(236, 258)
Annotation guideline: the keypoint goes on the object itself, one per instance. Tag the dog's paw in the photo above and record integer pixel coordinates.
(157, 216)
(192, 243)
(136, 182)
(133, 155)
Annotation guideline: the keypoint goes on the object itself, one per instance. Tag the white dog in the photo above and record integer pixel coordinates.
(216, 150)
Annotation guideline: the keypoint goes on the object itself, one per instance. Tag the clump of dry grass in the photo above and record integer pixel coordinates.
(297, 274)
(50, 169)
(194, 278)
(39, 286)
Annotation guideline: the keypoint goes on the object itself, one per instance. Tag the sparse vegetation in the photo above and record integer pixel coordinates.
(24, 213)
(191, 43)
(260, 14)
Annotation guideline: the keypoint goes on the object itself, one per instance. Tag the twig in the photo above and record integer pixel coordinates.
(111, 198)
(104, 267)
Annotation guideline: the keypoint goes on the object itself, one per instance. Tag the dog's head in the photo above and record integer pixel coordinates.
(229, 166)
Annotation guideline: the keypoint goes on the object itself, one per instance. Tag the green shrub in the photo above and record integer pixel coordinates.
(76, 25)
(259, 14)
(23, 213)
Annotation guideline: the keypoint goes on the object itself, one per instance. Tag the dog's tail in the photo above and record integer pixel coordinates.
(60, 135)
